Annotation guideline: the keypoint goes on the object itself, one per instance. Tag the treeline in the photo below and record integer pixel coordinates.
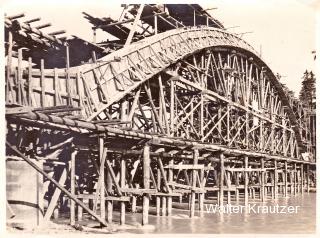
(307, 93)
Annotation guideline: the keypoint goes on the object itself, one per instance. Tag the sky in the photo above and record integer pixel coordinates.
(284, 31)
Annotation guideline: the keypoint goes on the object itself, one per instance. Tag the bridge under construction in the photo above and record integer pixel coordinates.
(171, 108)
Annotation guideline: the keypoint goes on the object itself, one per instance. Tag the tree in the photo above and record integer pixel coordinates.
(308, 90)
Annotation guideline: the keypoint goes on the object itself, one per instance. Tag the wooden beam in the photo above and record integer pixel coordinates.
(102, 157)
(276, 178)
(146, 184)
(194, 181)
(73, 187)
(163, 175)
(122, 184)
(221, 183)
(134, 25)
(55, 196)
(113, 177)
(246, 182)
(285, 178)
(262, 189)
(170, 179)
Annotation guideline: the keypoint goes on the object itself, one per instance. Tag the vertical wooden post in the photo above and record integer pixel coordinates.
(19, 81)
(291, 174)
(9, 63)
(56, 87)
(109, 202)
(30, 89)
(42, 84)
(201, 115)
(68, 84)
(122, 184)
(158, 198)
(276, 177)
(308, 178)
(285, 178)
(146, 184)
(262, 189)
(73, 187)
(202, 194)
(102, 184)
(246, 181)
(80, 211)
(295, 179)
(170, 178)
(134, 25)
(194, 180)
(221, 179)
(155, 24)
(172, 106)
(237, 184)
(228, 178)
(228, 123)
(164, 206)
(302, 178)
(134, 204)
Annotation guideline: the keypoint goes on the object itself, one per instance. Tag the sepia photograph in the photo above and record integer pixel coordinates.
(165, 118)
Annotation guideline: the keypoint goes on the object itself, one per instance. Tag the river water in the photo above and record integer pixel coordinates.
(304, 221)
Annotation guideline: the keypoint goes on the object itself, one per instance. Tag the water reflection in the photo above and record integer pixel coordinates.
(302, 222)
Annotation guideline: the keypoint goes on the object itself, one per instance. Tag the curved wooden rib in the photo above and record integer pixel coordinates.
(144, 59)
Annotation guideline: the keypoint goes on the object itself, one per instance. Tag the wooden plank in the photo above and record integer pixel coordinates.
(139, 191)
(246, 170)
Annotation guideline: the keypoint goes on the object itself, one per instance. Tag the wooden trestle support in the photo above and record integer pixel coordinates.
(191, 116)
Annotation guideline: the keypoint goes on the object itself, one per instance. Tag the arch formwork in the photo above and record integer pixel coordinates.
(189, 115)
